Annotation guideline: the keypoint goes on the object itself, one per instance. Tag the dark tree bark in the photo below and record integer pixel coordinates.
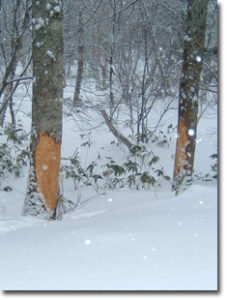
(43, 187)
(80, 65)
(189, 91)
(111, 56)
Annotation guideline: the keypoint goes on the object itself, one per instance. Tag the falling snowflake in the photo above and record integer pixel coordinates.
(191, 131)
(57, 9)
(87, 242)
(44, 167)
(48, 6)
(198, 58)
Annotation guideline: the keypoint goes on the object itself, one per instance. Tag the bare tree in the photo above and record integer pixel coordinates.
(80, 64)
(20, 19)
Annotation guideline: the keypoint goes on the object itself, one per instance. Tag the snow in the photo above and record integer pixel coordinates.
(187, 38)
(191, 131)
(39, 22)
(50, 54)
(57, 9)
(45, 167)
(198, 58)
(143, 241)
(114, 240)
(38, 44)
(48, 6)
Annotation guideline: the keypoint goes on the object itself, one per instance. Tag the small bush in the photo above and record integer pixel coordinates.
(137, 173)
(13, 155)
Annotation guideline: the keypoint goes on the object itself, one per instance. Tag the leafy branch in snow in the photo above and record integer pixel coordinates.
(13, 154)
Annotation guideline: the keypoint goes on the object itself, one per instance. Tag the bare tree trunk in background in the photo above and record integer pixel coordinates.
(80, 65)
(100, 33)
(8, 93)
(43, 187)
(142, 135)
(8, 101)
(16, 48)
(189, 91)
(111, 56)
(8, 96)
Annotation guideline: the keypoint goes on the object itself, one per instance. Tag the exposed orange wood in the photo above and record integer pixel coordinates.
(181, 154)
(47, 167)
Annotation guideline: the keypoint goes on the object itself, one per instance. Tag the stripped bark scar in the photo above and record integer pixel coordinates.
(181, 154)
(47, 167)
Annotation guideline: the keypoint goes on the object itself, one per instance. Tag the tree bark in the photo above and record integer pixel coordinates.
(100, 41)
(80, 65)
(43, 187)
(8, 94)
(189, 91)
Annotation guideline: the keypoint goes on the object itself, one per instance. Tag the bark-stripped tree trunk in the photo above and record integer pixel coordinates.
(43, 187)
(80, 65)
(189, 91)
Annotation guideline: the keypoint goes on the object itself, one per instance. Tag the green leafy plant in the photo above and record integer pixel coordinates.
(140, 171)
(163, 137)
(13, 154)
(117, 169)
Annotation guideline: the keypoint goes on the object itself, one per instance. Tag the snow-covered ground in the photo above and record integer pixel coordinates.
(121, 241)
(117, 240)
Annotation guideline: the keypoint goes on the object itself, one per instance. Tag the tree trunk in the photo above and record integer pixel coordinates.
(111, 86)
(80, 66)
(100, 33)
(43, 187)
(17, 39)
(8, 98)
(189, 91)
(8, 94)
(132, 148)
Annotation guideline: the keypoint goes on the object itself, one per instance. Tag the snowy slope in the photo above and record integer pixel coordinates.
(123, 240)
(120, 240)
